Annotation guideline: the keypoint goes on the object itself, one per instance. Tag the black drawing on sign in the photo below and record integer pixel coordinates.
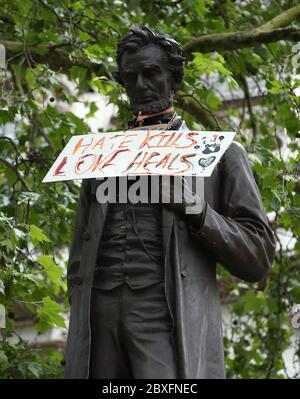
(212, 144)
(205, 162)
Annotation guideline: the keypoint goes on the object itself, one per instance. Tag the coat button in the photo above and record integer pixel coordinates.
(86, 236)
(78, 280)
(183, 273)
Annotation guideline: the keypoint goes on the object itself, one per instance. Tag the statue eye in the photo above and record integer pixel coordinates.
(149, 71)
(129, 75)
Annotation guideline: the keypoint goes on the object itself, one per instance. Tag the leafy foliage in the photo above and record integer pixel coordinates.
(49, 40)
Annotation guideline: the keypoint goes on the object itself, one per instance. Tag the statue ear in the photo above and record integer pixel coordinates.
(174, 89)
(117, 77)
(175, 86)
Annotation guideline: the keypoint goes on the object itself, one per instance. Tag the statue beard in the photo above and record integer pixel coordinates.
(152, 107)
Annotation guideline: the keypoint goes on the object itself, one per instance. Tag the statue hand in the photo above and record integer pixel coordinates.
(176, 195)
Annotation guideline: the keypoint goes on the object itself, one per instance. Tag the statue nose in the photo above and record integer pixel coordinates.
(140, 83)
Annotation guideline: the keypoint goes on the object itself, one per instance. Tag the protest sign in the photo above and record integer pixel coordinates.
(140, 152)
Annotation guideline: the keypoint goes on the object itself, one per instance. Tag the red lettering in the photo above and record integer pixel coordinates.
(189, 164)
(126, 141)
(81, 162)
(58, 170)
(173, 160)
(100, 143)
(164, 161)
(136, 163)
(160, 136)
(112, 157)
(190, 137)
(148, 162)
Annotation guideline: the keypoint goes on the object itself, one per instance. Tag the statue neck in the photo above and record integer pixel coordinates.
(154, 119)
(142, 117)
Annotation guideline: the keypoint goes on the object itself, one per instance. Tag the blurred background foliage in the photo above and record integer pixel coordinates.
(242, 74)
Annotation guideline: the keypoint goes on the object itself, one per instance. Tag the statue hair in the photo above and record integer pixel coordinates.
(140, 37)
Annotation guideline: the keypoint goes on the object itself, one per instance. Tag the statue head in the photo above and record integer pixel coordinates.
(150, 67)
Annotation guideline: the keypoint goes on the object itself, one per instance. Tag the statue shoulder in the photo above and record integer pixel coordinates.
(236, 149)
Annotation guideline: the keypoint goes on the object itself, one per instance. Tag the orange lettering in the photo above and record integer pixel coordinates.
(79, 145)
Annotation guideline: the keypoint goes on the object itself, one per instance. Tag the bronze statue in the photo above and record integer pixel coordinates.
(142, 277)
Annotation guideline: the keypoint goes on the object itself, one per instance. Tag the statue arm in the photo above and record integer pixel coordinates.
(239, 235)
(81, 222)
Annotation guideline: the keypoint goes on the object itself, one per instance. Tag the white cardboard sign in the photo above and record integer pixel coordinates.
(140, 152)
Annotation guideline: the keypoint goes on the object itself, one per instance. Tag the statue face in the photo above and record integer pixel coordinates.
(147, 80)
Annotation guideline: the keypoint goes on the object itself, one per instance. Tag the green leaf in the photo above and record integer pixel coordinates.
(10, 175)
(47, 15)
(37, 234)
(84, 36)
(37, 279)
(49, 315)
(94, 51)
(276, 201)
(54, 272)
(4, 117)
(104, 86)
(200, 7)
(254, 301)
(276, 86)
(30, 77)
(210, 63)
(93, 110)
(35, 369)
(212, 100)
(29, 198)
(3, 358)
(77, 73)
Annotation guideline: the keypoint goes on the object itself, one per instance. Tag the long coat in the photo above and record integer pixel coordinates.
(234, 232)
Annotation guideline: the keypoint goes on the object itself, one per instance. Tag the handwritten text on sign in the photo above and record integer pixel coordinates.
(139, 153)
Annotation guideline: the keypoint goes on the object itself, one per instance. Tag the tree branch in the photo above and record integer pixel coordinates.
(281, 20)
(249, 105)
(239, 102)
(50, 344)
(57, 59)
(17, 172)
(237, 40)
(78, 26)
(271, 31)
(203, 115)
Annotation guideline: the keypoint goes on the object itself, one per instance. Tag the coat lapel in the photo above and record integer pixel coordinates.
(167, 223)
(100, 209)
